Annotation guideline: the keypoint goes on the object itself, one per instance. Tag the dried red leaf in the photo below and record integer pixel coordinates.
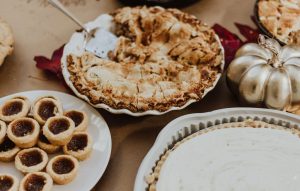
(225, 34)
(248, 32)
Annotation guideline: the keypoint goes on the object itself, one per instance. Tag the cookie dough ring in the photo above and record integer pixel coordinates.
(80, 146)
(80, 119)
(8, 150)
(63, 169)
(45, 144)
(46, 107)
(3, 129)
(6, 41)
(24, 132)
(59, 130)
(31, 160)
(36, 181)
(9, 182)
(14, 108)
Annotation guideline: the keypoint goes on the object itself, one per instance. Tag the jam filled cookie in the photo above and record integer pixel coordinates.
(63, 169)
(80, 119)
(45, 144)
(46, 107)
(80, 146)
(8, 183)
(8, 150)
(31, 160)
(24, 132)
(3, 129)
(14, 108)
(37, 181)
(59, 130)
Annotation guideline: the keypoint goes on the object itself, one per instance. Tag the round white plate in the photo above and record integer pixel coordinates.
(76, 46)
(92, 169)
(188, 124)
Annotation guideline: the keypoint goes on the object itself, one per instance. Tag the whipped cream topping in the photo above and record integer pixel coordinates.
(234, 159)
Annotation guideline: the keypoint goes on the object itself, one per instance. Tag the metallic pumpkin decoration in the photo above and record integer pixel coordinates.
(266, 74)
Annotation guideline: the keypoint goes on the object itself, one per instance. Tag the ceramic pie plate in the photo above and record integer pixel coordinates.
(76, 46)
(90, 170)
(186, 125)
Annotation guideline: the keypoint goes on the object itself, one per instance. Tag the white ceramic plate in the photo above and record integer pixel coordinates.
(76, 46)
(92, 169)
(188, 124)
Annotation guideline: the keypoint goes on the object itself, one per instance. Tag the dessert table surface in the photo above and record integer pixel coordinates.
(39, 29)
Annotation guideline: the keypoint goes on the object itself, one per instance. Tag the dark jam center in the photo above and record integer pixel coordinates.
(77, 117)
(12, 108)
(78, 142)
(58, 126)
(31, 158)
(6, 183)
(63, 166)
(35, 183)
(22, 128)
(47, 109)
(7, 145)
(44, 139)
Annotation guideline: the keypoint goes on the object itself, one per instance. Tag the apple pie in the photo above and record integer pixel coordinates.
(163, 59)
(6, 40)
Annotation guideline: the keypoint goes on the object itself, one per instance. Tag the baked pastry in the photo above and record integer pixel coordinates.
(80, 146)
(233, 156)
(80, 119)
(36, 181)
(8, 150)
(31, 160)
(59, 130)
(6, 41)
(14, 108)
(63, 169)
(281, 19)
(46, 107)
(45, 144)
(8, 182)
(2, 131)
(164, 58)
(24, 132)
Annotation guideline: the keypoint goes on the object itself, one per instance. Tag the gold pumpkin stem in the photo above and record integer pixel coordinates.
(264, 42)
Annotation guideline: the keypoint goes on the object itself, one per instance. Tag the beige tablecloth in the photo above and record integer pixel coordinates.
(39, 29)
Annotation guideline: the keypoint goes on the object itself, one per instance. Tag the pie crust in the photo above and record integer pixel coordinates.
(14, 108)
(46, 107)
(63, 169)
(8, 150)
(6, 41)
(164, 58)
(45, 144)
(80, 119)
(31, 160)
(2, 131)
(59, 130)
(36, 181)
(80, 146)
(24, 132)
(281, 19)
(8, 182)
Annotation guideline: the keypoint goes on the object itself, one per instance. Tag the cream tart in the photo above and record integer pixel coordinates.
(14, 108)
(3, 129)
(24, 132)
(8, 182)
(80, 119)
(36, 181)
(59, 130)
(46, 107)
(31, 160)
(63, 169)
(232, 156)
(6, 41)
(80, 146)
(8, 150)
(45, 144)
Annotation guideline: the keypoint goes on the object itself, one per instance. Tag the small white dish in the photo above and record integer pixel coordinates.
(90, 170)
